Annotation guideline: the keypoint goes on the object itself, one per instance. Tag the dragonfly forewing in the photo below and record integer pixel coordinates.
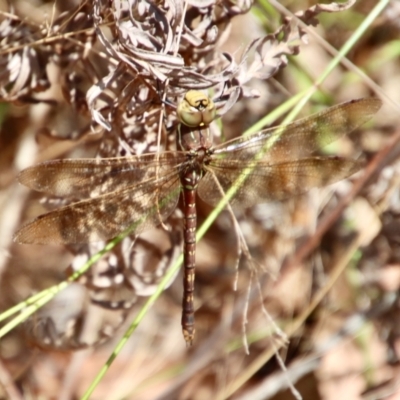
(88, 178)
(303, 137)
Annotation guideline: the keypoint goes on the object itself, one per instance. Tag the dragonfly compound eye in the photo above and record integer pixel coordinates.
(196, 109)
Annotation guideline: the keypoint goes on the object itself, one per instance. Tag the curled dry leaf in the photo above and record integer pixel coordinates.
(27, 50)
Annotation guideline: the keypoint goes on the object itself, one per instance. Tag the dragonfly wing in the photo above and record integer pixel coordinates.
(303, 137)
(85, 178)
(266, 182)
(136, 208)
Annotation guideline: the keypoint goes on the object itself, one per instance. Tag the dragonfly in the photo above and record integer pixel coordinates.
(131, 194)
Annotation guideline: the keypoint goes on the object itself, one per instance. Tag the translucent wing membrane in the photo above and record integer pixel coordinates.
(272, 182)
(140, 191)
(276, 161)
(84, 178)
(136, 207)
(303, 137)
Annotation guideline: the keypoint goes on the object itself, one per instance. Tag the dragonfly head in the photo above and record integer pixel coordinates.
(196, 109)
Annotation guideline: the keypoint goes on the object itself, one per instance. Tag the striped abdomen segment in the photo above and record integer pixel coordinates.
(189, 181)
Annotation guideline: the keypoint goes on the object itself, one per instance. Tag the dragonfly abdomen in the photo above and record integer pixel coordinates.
(189, 179)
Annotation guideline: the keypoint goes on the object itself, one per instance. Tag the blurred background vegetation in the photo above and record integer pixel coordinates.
(335, 293)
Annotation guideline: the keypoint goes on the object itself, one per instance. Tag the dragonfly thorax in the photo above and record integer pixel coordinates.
(194, 139)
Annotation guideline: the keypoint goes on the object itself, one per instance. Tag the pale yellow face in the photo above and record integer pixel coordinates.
(196, 109)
